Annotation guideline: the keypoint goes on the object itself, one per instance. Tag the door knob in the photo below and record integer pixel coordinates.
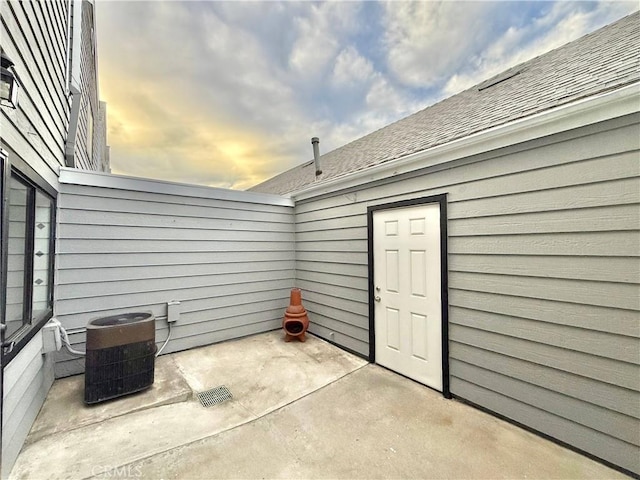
(377, 298)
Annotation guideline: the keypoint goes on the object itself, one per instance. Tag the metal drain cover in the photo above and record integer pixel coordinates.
(214, 396)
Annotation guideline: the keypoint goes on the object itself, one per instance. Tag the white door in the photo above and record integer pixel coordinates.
(408, 312)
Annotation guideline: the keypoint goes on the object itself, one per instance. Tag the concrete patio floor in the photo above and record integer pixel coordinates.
(299, 410)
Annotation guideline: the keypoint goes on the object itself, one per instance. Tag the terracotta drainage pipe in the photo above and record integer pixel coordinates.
(296, 321)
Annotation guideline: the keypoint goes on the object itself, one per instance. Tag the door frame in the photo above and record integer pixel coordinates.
(444, 277)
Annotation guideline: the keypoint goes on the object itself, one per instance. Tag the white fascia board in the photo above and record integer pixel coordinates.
(72, 176)
(587, 111)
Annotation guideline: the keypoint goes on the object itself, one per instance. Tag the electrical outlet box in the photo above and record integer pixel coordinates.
(51, 340)
(173, 311)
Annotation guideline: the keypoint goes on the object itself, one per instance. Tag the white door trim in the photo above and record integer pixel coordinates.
(442, 201)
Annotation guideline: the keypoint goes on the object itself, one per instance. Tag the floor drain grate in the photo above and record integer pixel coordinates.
(214, 396)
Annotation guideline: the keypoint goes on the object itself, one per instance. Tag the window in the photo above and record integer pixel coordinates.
(16, 250)
(28, 219)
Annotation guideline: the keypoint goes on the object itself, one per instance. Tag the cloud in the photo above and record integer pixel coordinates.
(565, 22)
(427, 40)
(350, 68)
(189, 107)
(160, 141)
(201, 91)
(318, 36)
(229, 94)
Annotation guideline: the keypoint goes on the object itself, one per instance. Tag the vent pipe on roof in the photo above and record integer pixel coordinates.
(315, 141)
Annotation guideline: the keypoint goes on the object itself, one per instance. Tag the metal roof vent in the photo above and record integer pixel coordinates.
(315, 141)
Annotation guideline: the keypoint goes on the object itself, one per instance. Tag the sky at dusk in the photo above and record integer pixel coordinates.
(228, 94)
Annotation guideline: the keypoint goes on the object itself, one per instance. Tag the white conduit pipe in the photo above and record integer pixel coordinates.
(64, 336)
(165, 342)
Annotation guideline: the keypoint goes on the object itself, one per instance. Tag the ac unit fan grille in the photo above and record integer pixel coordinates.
(115, 371)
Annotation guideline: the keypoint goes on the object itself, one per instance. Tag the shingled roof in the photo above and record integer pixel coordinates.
(601, 61)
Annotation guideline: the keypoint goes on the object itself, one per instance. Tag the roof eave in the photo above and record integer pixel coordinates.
(586, 111)
(74, 176)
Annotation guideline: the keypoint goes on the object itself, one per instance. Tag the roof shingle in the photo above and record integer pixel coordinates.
(606, 59)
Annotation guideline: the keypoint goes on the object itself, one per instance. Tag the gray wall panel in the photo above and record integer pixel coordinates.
(36, 130)
(563, 356)
(27, 380)
(587, 439)
(616, 269)
(34, 37)
(230, 263)
(544, 272)
(596, 219)
(80, 260)
(612, 423)
(616, 295)
(603, 319)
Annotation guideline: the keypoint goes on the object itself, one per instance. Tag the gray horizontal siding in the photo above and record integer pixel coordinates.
(33, 36)
(230, 263)
(610, 218)
(618, 269)
(80, 261)
(36, 130)
(27, 380)
(544, 274)
(590, 317)
(587, 414)
(587, 439)
(606, 294)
